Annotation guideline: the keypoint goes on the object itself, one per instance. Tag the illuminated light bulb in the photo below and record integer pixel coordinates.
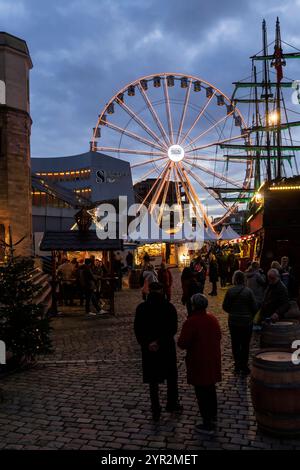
(258, 198)
(273, 118)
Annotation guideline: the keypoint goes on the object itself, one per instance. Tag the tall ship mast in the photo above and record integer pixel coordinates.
(270, 120)
(270, 101)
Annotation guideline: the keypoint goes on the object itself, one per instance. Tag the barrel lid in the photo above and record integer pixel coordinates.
(275, 356)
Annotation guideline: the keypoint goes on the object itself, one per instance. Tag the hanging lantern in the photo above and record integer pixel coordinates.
(209, 92)
(156, 82)
(144, 84)
(197, 85)
(184, 82)
(170, 80)
(220, 100)
(131, 90)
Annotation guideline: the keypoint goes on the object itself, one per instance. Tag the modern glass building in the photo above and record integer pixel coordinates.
(60, 184)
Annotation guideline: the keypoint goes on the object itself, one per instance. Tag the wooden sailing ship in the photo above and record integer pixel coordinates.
(274, 199)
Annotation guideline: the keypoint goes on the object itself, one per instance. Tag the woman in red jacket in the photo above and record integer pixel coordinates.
(201, 337)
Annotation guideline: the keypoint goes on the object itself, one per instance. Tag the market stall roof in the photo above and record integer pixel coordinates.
(74, 240)
(232, 233)
(227, 233)
(210, 235)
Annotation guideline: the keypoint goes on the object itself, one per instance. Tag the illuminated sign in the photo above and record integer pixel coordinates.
(104, 176)
(175, 153)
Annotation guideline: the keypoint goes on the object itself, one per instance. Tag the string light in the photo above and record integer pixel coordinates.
(284, 188)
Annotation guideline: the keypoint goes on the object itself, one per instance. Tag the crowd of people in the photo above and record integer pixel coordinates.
(81, 280)
(252, 298)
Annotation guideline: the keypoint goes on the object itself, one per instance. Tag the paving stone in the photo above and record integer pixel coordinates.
(89, 393)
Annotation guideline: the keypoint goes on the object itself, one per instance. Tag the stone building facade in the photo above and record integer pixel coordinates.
(15, 126)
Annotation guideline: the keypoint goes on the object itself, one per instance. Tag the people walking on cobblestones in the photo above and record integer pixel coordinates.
(233, 265)
(199, 269)
(201, 337)
(276, 300)
(66, 273)
(164, 276)
(213, 273)
(190, 286)
(288, 278)
(148, 276)
(155, 326)
(240, 304)
(88, 284)
(223, 267)
(256, 281)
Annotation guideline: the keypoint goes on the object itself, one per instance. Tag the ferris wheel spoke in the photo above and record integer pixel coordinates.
(168, 110)
(138, 120)
(215, 174)
(189, 195)
(186, 101)
(157, 181)
(218, 142)
(154, 115)
(206, 158)
(178, 195)
(197, 118)
(209, 129)
(204, 186)
(146, 162)
(148, 173)
(159, 188)
(132, 135)
(161, 209)
(130, 151)
(199, 203)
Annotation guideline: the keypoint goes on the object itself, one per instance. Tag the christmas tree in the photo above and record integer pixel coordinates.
(24, 327)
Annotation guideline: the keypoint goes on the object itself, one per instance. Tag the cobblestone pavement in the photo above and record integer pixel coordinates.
(89, 393)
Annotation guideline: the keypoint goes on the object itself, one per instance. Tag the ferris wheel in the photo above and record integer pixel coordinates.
(171, 128)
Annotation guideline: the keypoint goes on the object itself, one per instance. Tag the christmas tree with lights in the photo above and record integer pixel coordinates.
(24, 327)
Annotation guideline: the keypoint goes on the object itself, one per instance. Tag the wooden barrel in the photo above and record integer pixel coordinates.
(275, 392)
(134, 278)
(280, 335)
(293, 312)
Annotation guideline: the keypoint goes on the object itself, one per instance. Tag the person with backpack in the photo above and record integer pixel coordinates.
(240, 304)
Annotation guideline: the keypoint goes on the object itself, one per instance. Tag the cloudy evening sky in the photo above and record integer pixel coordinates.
(83, 51)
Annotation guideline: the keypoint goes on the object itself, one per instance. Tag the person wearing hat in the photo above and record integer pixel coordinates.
(201, 337)
(155, 326)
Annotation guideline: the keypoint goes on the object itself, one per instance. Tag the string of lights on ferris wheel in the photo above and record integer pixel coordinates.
(173, 154)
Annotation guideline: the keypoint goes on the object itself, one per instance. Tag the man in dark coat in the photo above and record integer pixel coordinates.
(213, 273)
(276, 300)
(201, 337)
(155, 325)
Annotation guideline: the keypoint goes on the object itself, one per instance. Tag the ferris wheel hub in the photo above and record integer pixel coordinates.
(176, 153)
